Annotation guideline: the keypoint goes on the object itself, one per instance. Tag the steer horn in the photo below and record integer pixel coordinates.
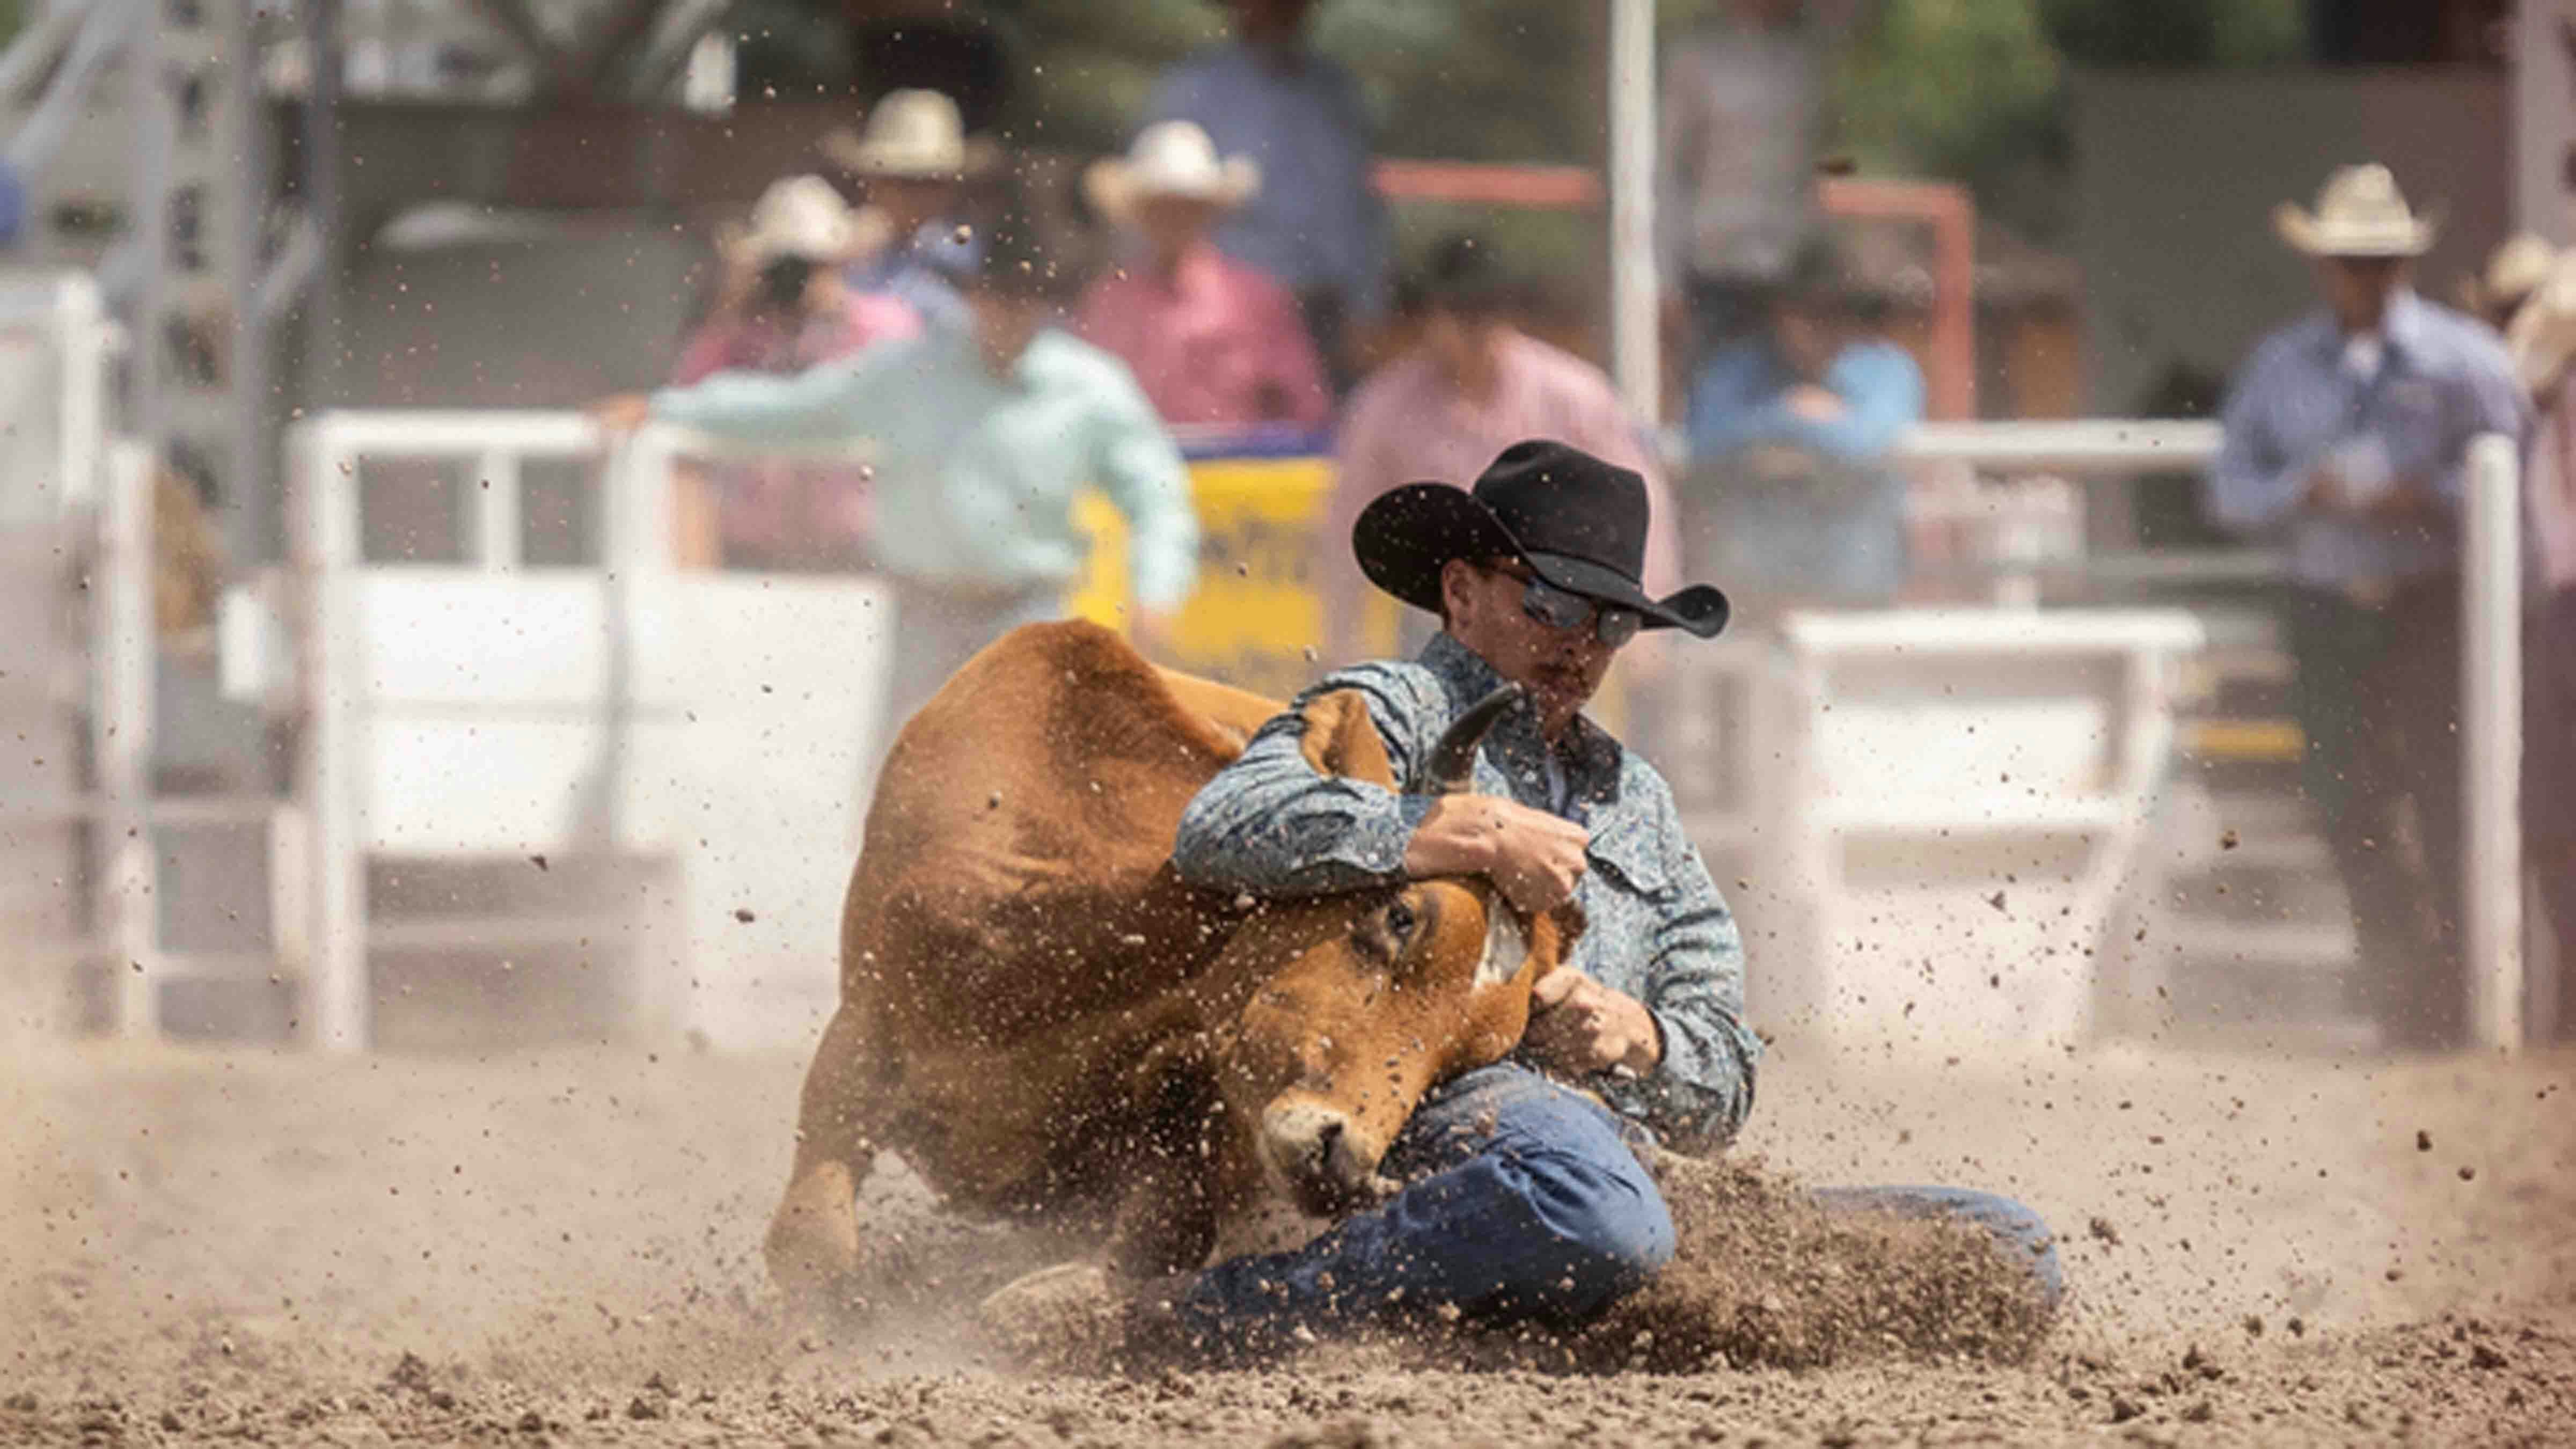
(1453, 760)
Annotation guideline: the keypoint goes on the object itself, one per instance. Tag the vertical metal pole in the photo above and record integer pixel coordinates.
(251, 514)
(148, 213)
(1636, 352)
(2491, 742)
(335, 988)
(83, 332)
(129, 909)
(493, 496)
(323, 357)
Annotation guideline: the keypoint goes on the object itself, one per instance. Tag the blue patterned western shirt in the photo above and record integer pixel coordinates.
(1656, 927)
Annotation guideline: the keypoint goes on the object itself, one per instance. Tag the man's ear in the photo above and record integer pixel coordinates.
(1341, 739)
(1453, 577)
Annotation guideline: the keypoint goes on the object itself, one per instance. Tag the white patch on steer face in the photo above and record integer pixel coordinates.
(1506, 947)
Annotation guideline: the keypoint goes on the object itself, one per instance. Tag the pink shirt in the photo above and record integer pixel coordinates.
(1407, 424)
(776, 513)
(1218, 342)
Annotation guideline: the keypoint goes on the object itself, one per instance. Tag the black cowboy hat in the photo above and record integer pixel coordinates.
(1577, 521)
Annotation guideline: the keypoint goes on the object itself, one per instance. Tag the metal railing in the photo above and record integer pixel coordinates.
(636, 527)
(481, 704)
(2490, 648)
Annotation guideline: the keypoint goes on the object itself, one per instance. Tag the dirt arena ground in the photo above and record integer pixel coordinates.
(562, 1248)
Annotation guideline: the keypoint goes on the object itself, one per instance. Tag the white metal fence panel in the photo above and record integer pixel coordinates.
(488, 707)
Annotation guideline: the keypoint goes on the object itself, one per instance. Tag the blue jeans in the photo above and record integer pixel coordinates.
(1526, 1201)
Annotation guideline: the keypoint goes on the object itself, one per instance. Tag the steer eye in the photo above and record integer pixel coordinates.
(1399, 919)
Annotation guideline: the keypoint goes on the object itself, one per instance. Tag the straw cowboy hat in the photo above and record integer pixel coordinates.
(798, 216)
(2513, 273)
(911, 134)
(2359, 214)
(1169, 158)
(1577, 521)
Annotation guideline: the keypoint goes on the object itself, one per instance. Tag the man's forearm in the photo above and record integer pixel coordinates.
(1270, 825)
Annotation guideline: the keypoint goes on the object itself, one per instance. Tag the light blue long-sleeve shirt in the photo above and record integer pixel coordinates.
(1831, 531)
(976, 475)
(1740, 400)
(2443, 379)
(1317, 220)
(1655, 926)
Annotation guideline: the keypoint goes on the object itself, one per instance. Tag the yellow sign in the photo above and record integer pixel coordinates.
(1255, 621)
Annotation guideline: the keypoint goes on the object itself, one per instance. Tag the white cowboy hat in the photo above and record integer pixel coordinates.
(2513, 273)
(2543, 335)
(2359, 214)
(910, 133)
(1169, 158)
(798, 216)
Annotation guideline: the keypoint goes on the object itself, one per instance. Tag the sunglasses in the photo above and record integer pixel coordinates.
(1558, 608)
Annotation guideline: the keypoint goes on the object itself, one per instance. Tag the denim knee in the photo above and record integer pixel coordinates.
(1604, 1226)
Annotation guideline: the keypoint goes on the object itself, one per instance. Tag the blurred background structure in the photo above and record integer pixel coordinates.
(309, 263)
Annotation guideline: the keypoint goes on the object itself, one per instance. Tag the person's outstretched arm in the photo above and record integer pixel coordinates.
(840, 399)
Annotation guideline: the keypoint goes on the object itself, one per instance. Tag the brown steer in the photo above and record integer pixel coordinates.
(1041, 1018)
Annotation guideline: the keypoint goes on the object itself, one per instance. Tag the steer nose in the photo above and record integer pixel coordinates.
(1325, 1161)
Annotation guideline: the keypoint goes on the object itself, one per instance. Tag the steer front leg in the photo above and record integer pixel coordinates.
(1166, 1218)
(1166, 1222)
(813, 1241)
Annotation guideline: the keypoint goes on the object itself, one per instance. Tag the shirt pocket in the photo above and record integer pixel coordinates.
(1630, 855)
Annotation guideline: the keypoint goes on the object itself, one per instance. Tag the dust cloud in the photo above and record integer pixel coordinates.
(563, 1246)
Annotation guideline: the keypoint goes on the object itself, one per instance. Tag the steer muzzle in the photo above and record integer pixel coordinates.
(1327, 1159)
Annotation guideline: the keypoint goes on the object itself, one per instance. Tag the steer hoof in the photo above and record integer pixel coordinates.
(813, 1242)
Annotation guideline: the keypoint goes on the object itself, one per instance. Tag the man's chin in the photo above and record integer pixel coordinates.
(1555, 691)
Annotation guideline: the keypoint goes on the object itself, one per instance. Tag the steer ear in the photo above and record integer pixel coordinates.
(1341, 739)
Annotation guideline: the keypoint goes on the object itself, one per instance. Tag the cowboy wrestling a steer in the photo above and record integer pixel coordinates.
(1528, 1195)
(1382, 886)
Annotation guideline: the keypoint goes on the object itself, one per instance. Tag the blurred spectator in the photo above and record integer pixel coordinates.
(1317, 225)
(1791, 498)
(1473, 385)
(786, 309)
(911, 164)
(188, 565)
(1743, 122)
(2542, 340)
(2346, 436)
(1212, 340)
(785, 306)
(981, 438)
(2513, 272)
